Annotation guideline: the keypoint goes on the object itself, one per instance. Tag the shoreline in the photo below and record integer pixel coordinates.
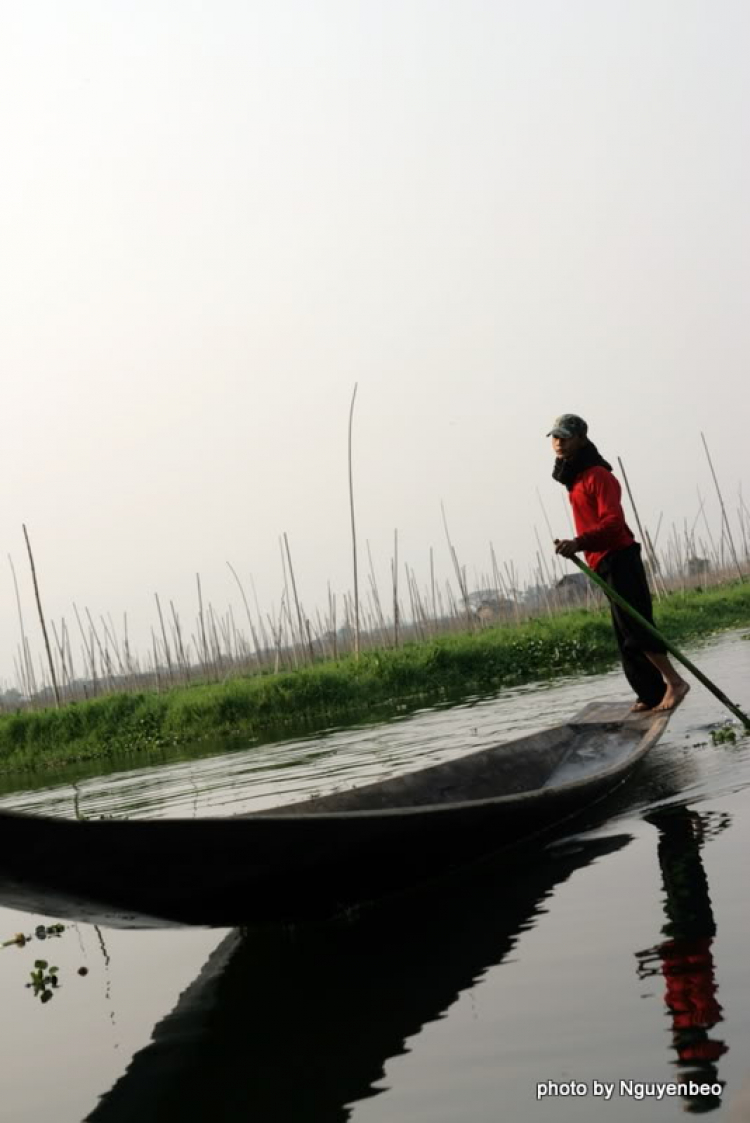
(146, 727)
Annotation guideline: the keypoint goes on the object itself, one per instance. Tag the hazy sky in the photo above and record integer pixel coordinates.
(215, 219)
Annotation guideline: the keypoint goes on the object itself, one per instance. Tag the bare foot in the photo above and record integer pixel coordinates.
(673, 696)
(639, 708)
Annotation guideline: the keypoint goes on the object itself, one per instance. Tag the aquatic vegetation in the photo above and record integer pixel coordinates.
(381, 682)
(41, 932)
(724, 734)
(44, 980)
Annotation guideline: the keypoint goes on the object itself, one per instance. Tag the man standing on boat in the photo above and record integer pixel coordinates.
(612, 551)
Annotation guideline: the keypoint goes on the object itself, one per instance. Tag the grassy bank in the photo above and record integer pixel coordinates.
(332, 692)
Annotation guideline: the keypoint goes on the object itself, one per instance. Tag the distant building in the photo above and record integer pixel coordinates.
(698, 567)
(488, 606)
(572, 588)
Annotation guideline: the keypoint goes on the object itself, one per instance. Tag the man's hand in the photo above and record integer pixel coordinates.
(567, 547)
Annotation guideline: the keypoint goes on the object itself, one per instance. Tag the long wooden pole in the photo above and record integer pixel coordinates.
(549, 531)
(610, 592)
(41, 619)
(27, 677)
(354, 529)
(394, 580)
(253, 632)
(294, 591)
(460, 578)
(164, 639)
(723, 511)
(647, 548)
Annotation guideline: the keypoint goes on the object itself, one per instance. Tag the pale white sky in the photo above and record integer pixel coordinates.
(214, 219)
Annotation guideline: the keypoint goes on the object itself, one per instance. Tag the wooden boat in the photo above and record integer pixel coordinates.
(319, 858)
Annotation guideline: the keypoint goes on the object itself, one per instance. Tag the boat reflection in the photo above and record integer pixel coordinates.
(291, 1024)
(684, 958)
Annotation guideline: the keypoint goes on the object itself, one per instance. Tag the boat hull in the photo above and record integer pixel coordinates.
(306, 862)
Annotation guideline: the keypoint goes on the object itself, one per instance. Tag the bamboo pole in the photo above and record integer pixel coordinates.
(376, 593)
(164, 639)
(285, 607)
(568, 513)
(332, 621)
(30, 665)
(374, 599)
(451, 603)
(415, 627)
(325, 647)
(89, 649)
(503, 592)
(236, 640)
(111, 638)
(178, 642)
(41, 619)
(296, 598)
(131, 661)
(68, 649)
(27, 688)
(658, 579)
(156, 661)
(650, 558)
(354, 530)
(540, 580)
(61, 655)
(202, 622)
(513, 586)
(310, 640)
(723, 511)
(20, 672)
(555, 571)
(714, 553)
(277, 634)
(104, 658)
(348, 630)
(547, 578)
(215, 645)
(656, 532)
(226, 634)
(42, 678)
(457, 569)
(746, 519)
(394, 579)
(259, 614)
(253, 632)
(743, 530)
(417, 608)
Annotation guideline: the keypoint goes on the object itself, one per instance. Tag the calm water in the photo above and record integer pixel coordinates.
(618, 954)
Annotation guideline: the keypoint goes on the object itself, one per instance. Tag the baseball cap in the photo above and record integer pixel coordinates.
(569, 425)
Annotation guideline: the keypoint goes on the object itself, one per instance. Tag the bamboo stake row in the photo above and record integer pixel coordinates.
(286, 639)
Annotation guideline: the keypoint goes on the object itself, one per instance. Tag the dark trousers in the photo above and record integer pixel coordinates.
(623, 570)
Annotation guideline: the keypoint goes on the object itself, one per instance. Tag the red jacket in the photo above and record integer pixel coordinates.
(598, 515)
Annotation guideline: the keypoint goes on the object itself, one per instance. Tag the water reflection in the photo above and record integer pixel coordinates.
(685, 959)
(299, 1023)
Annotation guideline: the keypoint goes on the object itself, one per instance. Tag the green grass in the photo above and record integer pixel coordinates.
(261, 707)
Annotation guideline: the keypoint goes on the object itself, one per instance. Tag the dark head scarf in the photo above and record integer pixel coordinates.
(567, 471)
